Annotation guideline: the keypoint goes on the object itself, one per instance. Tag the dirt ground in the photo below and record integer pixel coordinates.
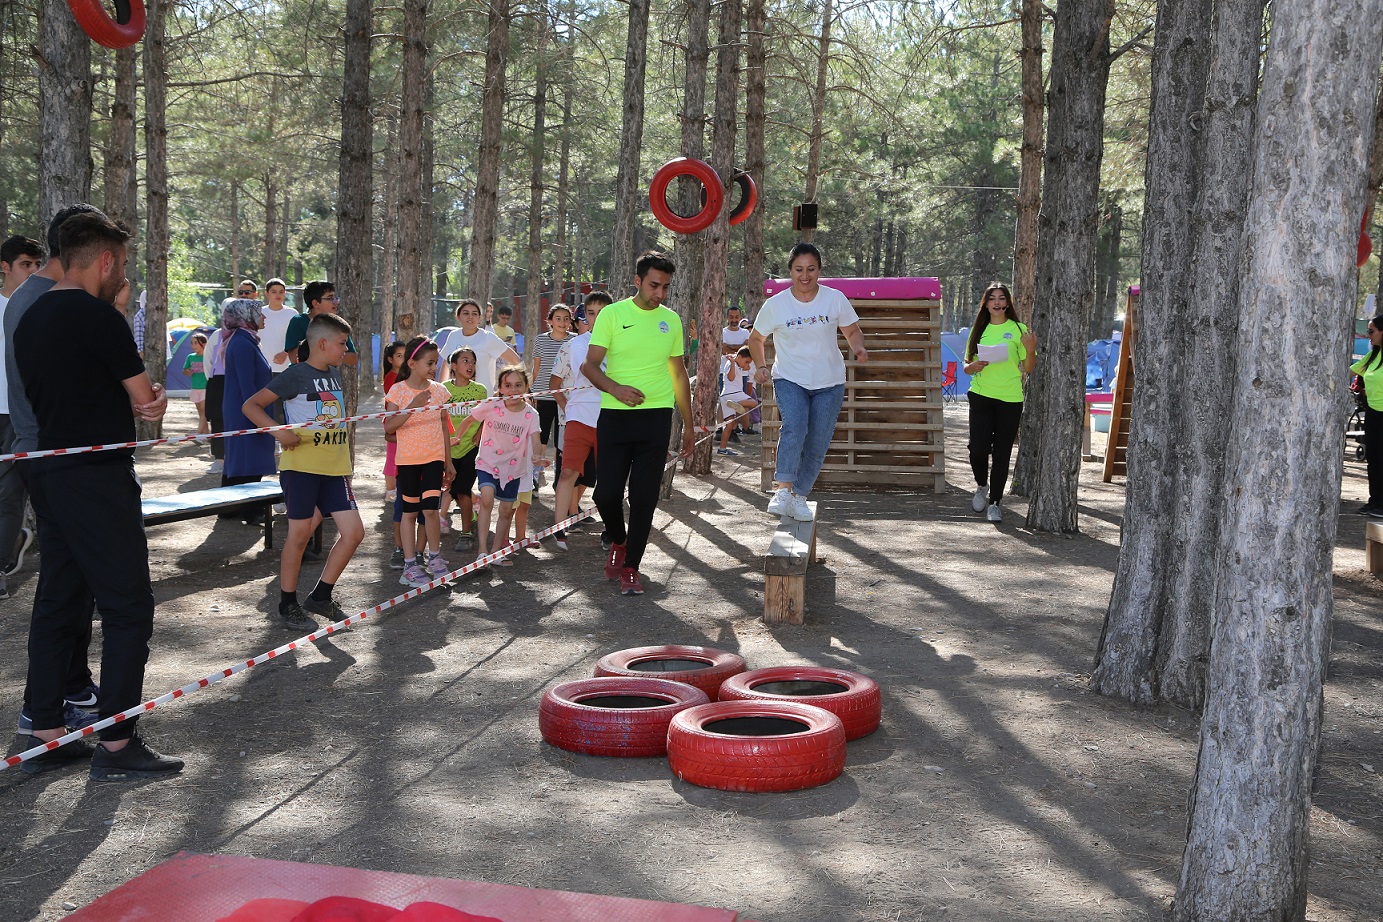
(997, 788)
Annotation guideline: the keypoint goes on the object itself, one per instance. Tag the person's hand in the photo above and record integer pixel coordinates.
(421, 400)
(541, 462)
(122, 297)
(761, 375)
(454, 440)
(280, 358)
(1029, 341)
(153, 411)
(629, 396)
(448, 474)
(288, 439)
(688, 443)
(861, 354)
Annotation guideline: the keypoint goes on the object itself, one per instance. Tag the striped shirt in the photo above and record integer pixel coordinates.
(547, 349)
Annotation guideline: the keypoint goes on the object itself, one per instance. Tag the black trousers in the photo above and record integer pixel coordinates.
(1373, 453)
(547, 425)
(631, 449)
(92, 544)
(993, 427)
(215, 413)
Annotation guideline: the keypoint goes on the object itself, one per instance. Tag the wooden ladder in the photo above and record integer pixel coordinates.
(1121, 413)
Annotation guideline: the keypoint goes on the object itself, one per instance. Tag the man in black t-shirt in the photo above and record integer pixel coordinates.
(91, 528)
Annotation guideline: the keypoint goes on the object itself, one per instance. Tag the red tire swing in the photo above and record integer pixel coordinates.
(749, 197)
(122, 31)
(756, 746)
(703, 667)
(614, 716)
(850, 696)
(712, 195)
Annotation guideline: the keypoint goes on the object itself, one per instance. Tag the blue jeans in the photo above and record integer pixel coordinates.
(809, 422)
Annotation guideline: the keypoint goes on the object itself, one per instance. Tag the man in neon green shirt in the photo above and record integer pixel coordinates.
(635, 358)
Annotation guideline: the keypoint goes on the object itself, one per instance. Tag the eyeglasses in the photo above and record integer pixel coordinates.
(330, 298)
(247, 292)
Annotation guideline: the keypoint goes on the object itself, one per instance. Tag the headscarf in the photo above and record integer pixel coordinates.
(238, 314)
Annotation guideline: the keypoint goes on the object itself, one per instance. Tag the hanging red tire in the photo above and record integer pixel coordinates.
(713, 197)
(122, 31)
(756, 746)
(749, 197)
(703, 667)
(852, 697)
(614, 716)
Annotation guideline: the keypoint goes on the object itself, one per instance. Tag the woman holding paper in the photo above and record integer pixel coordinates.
(999, 352)
(808, 374)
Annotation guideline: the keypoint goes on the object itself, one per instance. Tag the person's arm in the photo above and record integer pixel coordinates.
(536, 456)
(756, 351)
(254, 407)
(629, 396)
(727, 348)
(556, 383)
(448, 469)
(681, 388)
(147, 400)
(395, 423)
(512, 357)
(855, 337)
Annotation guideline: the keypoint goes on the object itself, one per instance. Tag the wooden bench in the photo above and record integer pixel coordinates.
(247, 497)
(1373, 547)
(791, 551)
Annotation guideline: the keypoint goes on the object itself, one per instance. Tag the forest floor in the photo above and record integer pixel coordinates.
(998, 787)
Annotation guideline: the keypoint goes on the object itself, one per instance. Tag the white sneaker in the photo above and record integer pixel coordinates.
(995, 514)
(798, 508)
(280, 508)
(980, 500)
(445, 524)
(781, 502)
(216, 467)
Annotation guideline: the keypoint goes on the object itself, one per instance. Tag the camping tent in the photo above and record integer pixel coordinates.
(175, 381)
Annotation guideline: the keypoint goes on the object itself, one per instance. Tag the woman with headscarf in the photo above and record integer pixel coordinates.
(248, 457)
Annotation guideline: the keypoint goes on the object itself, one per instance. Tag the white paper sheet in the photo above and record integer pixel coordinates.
(994, 354)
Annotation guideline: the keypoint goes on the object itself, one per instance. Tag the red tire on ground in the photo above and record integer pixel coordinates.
(712, 200)
(703, 667)
(123, 31)
(614, 716)
(850, 696)
(756, 746)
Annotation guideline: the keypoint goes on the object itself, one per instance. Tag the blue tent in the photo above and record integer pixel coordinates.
(177, 383)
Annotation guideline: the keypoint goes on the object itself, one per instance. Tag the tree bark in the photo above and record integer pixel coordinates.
(559, 242)
(354, 262)
(1246, 854)
(270, 227)
(412, 316)
(486, 210)
(714, 281)
(533, 292)
(1065, 293)
(1030, 160)
(64, 86)
(426, 213)
(1157, 629)
(823, 69)
(122, 182)
(156, 201)
(689, 249)
(235, 233)
(389, 263)
(755, 152)
(628, 203)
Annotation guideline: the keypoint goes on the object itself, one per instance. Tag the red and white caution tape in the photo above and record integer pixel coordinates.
(207, 436)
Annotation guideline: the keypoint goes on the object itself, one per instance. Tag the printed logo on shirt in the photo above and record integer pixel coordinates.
(328, 408)
(807, 321)
(662, 326)
(1008, 336)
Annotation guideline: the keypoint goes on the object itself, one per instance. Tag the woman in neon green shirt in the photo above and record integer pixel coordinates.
(1370, 368)
(996, 393)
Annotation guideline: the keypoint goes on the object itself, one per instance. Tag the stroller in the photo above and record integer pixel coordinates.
(1354, 432)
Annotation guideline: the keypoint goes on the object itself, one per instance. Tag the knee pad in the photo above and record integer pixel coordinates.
(411, 505)
(431, 502)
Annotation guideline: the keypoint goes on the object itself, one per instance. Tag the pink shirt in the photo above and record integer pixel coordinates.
(505, 442)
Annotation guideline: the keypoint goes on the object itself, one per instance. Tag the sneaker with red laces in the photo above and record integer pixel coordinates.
(629, 583)
(615, 564)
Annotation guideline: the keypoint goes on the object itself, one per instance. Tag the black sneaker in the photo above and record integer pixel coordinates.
(734, 435)
(330, 609)
(135, 760)
(53, 758)
(293, 616)
(605, 542)
(1375, 513)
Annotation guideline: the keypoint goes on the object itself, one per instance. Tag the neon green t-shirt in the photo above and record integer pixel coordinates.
(638, 344)
(1002, 380)
(1373, 381)
(470, 435)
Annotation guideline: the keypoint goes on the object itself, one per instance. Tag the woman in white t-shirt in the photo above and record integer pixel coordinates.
(489, 349)
(808, 374)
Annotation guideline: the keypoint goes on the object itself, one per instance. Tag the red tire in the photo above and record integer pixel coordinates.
(756, 746)
(749, 197)
(848, 695)
(614, 716)
(125, 30)
(712, 201)
(703, 667)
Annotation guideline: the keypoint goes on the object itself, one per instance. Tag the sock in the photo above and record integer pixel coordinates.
(322, 591)
(286, 599)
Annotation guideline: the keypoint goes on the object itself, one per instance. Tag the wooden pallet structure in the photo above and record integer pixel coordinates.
(1121, 415)
(890, 434)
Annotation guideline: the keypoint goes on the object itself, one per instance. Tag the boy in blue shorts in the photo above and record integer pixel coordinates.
(314, 467)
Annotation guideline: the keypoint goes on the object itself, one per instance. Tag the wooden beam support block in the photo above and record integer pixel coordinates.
(1373, 547)
(785, 589)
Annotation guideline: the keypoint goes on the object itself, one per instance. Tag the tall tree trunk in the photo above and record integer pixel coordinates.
(690, 250)
(559, 241)
(1066, 261)
(627, 199)
(235, 233)
(156, 201)
(426, 212)
(755, 153)
(411, 317)
(1246, 853)
(389, 262)
(270, 228)
(532, 304)
(1157, 629)
(486, 210)
(705, 402)
(122, 183)
(1107, 284)
(355, 178)
(823, 69)
(1030, 159)
(64, 90)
